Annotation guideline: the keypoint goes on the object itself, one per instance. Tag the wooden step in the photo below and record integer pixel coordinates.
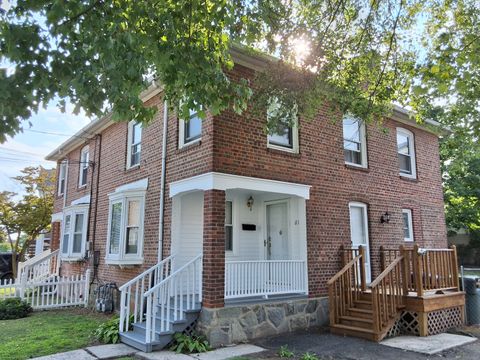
(360, 313)
(346, 330)
(363, 304)
(356, 322)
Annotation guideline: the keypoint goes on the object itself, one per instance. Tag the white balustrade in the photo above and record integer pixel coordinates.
(168, 299)
(132, 292)
(39, 267)
(265, 278)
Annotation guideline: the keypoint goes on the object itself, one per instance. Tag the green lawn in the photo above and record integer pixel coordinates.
(47, 332)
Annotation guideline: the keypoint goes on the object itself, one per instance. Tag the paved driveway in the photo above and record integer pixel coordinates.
(328, 346)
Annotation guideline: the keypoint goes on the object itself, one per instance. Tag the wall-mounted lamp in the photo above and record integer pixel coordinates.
(250, 203)
(385, 218)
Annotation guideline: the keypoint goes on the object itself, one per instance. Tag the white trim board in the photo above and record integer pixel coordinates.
(83, 200)
(220, 181)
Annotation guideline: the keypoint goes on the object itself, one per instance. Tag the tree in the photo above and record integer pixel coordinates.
(23, 219)
(356, 55)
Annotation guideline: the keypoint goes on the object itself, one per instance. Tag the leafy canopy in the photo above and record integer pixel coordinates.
(357, 55)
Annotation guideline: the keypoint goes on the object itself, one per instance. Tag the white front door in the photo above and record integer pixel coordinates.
(359, 232)
(277, 231)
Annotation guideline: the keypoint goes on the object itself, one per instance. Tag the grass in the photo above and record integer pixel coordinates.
(48, 332)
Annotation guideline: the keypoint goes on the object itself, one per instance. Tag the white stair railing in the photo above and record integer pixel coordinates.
(179, 292)
(133, 292)
(39, 267)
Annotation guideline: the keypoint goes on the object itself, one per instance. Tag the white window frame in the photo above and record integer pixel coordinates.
(363, 144)
(130, 145)
(411, 143)
(84, 163)
(181, 132)
(409, 213)
(122, 258)
(230, 225)
(295, 147)
(73, 211)
(62, 176)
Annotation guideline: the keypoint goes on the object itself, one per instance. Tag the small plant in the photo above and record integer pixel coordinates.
(308, 356)
(285, 352)
(108, 332)
(14, 308)
(189, 344)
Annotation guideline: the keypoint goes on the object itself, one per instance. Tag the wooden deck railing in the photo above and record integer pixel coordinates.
(388, 294)
(426, 269)
(346, 287)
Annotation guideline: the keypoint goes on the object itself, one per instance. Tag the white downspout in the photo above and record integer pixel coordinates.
(66, 185)
(162, 180)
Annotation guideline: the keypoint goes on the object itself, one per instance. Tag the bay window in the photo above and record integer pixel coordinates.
(125, 230)
(74, 232)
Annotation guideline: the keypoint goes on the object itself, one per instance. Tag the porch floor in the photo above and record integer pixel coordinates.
(262, 300)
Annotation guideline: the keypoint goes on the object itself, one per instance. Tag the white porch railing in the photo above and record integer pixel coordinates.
(39, 267)
(134, 290)
(265, 278)
(167, 300)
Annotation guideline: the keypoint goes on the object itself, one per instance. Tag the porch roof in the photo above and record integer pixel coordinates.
(220, 181)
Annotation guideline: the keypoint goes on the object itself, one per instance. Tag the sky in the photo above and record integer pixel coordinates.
(30, 147)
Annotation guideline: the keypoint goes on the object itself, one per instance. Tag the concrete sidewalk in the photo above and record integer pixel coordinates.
(116, 351)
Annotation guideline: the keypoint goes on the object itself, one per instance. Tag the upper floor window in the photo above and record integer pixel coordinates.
(191, 129)
(283, 133)
(125, 229)
(62, 175)
(406, 153)
(134, 148)
(229, 226)
(354, 141)
(407, 225)
(84, 163)
(74, 232)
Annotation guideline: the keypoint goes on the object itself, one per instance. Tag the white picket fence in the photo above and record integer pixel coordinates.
(50, 293)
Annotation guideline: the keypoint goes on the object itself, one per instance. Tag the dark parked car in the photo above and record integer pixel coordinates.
(6, 266)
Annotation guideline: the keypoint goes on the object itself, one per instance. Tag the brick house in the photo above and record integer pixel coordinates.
(265, 214)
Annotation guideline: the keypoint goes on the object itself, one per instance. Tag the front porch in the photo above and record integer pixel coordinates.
(256, 240)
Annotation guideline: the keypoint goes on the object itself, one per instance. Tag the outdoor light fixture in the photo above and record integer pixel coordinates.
(385, 218)
(250, 203)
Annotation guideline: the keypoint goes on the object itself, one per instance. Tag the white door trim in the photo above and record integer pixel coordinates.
(364, 208)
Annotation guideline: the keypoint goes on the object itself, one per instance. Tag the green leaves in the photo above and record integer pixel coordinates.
(186, 344)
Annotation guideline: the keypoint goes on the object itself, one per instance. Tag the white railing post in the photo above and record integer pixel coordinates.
(87, 287)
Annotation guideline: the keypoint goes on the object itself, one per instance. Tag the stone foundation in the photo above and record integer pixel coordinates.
(241, 323)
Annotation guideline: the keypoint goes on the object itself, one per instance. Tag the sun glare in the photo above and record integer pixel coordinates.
(300, 50)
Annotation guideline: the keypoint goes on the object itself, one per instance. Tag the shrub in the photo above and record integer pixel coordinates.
(285, 352)
(14, 308)
(189, 344)
(108, 332)
(308, 356)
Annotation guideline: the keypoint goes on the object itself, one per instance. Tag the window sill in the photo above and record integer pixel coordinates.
(72, 258)
(132, 168)
(190, 145)
(409, 178)
(357, 167)
(124, 262)
(278, 150)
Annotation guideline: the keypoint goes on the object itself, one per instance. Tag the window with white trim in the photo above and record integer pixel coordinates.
(62, 174)
(125, 228)
(83, 168)
(134, 148)
(190, 131)
(354, 141)
(407, 224)
(228, 225)
(74, 232)
(283, 134)
(406, 153)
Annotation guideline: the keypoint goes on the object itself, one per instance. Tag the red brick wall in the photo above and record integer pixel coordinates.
(240, 148)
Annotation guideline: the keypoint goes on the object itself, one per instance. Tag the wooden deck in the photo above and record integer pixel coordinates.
(416, 293)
